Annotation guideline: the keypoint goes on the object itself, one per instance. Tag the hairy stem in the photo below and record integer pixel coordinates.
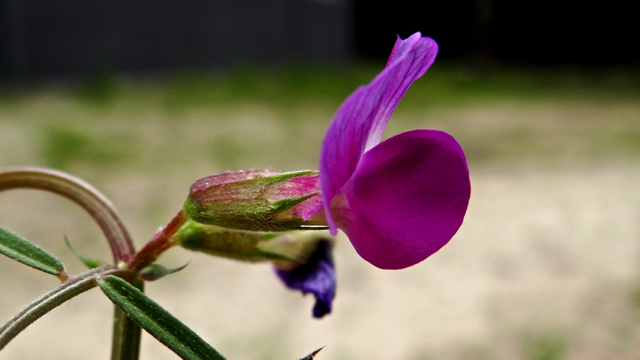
(81, 193)
(161, 242)
(73, 287)
(126, 334)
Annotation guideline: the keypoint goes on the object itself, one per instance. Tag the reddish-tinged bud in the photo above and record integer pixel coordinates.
(256, 200)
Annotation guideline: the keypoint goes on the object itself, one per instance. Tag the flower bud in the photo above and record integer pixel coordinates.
(256, 200)
(286, 251)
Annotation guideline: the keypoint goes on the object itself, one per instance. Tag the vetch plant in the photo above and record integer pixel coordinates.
(398, 201)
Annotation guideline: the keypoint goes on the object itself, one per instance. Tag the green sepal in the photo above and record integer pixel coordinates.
(312, 355)
(282, 177)
(157, 321)
(28, 253)
(91, 263)
(156, 271)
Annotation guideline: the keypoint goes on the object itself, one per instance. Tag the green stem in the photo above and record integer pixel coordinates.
(73, 287)
(125, 329)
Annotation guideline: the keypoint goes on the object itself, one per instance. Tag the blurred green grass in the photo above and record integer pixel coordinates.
(496, 113)
(446, 84)
(549, 346)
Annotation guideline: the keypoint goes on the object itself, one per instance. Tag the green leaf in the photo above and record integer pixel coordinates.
(157, 321)
(156, 271)
(312, 355)
(87, 261)
(28, 253)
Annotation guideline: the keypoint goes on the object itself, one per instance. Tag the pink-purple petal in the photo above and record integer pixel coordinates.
(307, 208)
(406, 200)
(360, 120)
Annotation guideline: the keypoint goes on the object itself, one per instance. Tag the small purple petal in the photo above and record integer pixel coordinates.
(406, 200)
(307, 208)
(317, 276)
(360, 120)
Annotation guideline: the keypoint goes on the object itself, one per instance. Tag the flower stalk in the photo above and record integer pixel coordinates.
(162, 241)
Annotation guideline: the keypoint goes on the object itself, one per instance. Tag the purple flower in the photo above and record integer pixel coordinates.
(401, 200)
(317, 276)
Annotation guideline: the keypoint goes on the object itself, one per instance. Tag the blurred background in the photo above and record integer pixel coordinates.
(142, 98)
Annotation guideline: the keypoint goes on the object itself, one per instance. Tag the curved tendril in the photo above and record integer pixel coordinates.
(83, 194)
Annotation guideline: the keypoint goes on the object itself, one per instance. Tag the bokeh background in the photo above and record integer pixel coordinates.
(143, 98)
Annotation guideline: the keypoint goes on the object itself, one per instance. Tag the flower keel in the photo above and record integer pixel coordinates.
(317, 276)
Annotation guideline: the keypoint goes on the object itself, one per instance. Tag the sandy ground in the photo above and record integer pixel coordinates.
(544, 267)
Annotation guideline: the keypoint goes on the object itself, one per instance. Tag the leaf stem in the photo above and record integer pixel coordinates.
(75, 286)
